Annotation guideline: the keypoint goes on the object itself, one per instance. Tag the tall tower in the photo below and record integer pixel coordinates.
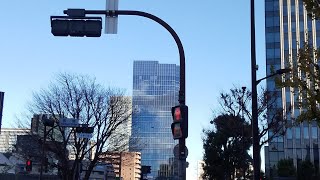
(287, 27)
(155, 91)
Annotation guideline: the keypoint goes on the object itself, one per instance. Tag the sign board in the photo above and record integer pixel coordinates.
(111, 24)
(68, 122)
(84, 135)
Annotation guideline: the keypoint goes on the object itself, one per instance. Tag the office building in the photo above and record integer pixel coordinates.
(155, 91)
(126, 165)
(101, 170)
(287, 27)
(8, 138)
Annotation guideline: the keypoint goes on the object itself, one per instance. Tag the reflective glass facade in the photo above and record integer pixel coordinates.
(287, 27)
(155, 91)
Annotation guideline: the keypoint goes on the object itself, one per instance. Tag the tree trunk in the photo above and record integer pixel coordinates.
(90, 168)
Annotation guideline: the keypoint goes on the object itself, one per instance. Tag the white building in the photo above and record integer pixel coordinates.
(8, 138)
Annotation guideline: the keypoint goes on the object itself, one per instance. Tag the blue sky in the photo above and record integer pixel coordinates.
(215, 35)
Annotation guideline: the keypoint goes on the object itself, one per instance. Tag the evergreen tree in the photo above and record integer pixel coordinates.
(286, 168)
(225, 149)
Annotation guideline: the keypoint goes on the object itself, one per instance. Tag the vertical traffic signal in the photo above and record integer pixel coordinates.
(179, 127)
(29, 165)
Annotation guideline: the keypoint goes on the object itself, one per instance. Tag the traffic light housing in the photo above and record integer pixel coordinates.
(146, 169)
(76, 26)
(85, 130)
(179, 127)
(47, 121)
(29, 165)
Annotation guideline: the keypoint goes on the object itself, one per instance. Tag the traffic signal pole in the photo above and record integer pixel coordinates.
(254, 83)
(182, 91)
(81, 13)
(115, 13)
(42, 153)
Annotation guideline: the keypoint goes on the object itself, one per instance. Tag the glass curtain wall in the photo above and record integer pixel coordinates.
(155, 91)
(287, 27)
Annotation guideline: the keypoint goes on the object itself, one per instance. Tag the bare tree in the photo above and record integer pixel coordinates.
(81, 97)
(238, 103)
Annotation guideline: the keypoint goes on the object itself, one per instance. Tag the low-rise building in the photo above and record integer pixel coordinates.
(127, 165)
(8, 138)
(101, 171)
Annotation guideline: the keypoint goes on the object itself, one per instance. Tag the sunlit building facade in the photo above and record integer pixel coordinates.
(8, 138)
(287, 27)
(126, 165)
(155, 91)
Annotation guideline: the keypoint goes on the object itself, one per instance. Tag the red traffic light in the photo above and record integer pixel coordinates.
(29, 165)
(177, 114)
(179, 127)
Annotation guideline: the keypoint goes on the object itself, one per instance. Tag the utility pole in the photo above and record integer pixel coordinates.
(255, 127)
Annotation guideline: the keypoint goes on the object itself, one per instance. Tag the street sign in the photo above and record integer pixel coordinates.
(84, 135)
(68, 122)
(111, 24)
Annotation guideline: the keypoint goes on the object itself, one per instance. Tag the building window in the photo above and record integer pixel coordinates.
(298, 132)
(306, 132)
(314, 132)
(289, 133)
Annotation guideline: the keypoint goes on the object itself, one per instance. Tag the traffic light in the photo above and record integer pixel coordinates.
(146, 169)
(179, 127)
(84, 130)
(29, 165)
(47, 121)
(76, 27)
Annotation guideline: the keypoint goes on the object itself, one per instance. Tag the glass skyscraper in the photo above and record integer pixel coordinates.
(287, 27)
(155, 91)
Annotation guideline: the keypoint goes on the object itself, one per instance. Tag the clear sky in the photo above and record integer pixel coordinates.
(215, 35)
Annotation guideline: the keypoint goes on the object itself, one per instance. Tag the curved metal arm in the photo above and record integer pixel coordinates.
(182, 91)
(279, 71)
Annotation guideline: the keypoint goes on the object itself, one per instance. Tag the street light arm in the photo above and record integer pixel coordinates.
(258, 81)
(279, 71)
(177, 40)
